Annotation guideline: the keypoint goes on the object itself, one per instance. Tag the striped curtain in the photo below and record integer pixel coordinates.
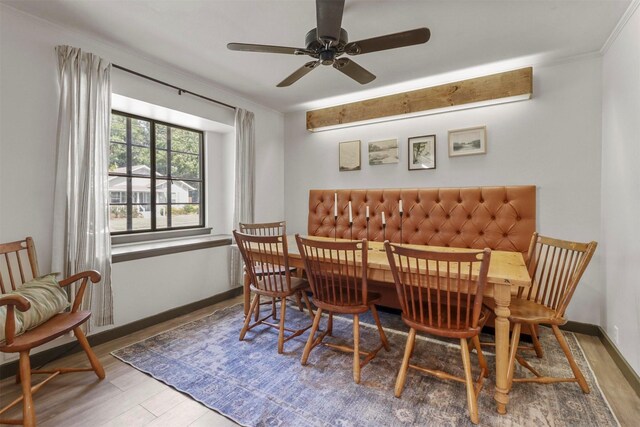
(81, 239)
(243, 207)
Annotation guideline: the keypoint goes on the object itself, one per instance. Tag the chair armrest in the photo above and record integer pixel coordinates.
(92, 275)
(12, 302)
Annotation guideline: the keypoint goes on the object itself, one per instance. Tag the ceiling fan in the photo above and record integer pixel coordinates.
(329, 41)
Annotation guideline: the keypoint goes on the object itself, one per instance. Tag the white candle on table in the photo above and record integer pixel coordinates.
(400, 206)
(335, 204)
(350, 214)
(384, 221)
(367, 212)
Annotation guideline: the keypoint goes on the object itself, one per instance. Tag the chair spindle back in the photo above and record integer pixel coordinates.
(334, 270)
(438, 289)
(18, 264)
(262, 258)
(264, 228)
(556, 267)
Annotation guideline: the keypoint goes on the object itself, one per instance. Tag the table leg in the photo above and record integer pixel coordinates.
(247, 293)
(502, 297)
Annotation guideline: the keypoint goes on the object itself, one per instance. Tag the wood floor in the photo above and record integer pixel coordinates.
(128, 397)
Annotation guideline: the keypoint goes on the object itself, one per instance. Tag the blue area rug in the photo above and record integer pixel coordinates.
(250, 383)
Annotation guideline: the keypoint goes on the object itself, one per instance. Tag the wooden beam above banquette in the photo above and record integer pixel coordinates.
(510, 85)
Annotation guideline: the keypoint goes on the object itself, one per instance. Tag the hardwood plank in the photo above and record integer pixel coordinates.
(164, 401)
(212, 418)
(181, 415)
(495, 86)
(136, 416)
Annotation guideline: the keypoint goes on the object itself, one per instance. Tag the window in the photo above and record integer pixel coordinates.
(155, 175)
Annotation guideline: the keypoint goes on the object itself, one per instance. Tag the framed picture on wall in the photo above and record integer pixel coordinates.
(422, 152)
(349, 156)
(383, 152)
(465, 142)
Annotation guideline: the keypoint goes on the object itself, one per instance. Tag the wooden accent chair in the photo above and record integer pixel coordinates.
(268, 278)
(447, 304)
(18, 265)
(556, 267)
(339, 285)
(278, 228)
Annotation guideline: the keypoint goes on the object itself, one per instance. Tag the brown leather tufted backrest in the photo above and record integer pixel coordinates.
(501, 218)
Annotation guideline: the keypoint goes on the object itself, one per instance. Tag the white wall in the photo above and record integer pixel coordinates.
(552, 141)
(621, 188)
(28, 114)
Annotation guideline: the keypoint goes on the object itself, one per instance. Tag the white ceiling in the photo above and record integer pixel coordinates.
(192, 35)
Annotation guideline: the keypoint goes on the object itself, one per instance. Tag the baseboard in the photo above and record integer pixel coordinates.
(10, 368)
(627, 371)
(581, 328)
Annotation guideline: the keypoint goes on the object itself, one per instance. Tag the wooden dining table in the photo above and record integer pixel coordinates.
(507, 271)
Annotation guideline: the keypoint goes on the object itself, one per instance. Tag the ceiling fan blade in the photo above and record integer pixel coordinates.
(299, 73)
(248, 47)
(390, 41)
(329, 19)
(353, 70)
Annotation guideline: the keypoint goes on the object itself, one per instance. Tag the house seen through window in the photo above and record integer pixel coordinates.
(155, 175)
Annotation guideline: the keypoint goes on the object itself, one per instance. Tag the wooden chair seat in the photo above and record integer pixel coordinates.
(297, 284)
(279, 269)
(451, 313)
(346, 307)
(526, 311)
(58, 325)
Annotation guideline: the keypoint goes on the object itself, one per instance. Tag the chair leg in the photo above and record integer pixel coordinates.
(256, 314)
(28, 410)
(247, 319)
(308, 304)
(356, 348)
(314, 329)
(408, 351)
(567, 352)
(330, 325)
(471, 394)
(536, 342)
(515, 340)
(481, 360)
(283, 309)
(383, 337)
(299, 302)
(93, 360)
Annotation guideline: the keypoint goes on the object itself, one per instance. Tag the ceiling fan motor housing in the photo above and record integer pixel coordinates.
(326, 55)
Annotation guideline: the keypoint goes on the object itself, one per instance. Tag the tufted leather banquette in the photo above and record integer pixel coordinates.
(500, 218)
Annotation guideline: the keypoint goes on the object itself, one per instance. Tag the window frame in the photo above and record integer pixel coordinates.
(128, 175)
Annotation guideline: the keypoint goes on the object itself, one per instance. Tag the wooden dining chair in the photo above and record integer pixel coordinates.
(18, 265)
(339, 285)
(556, 267)
(438, 296)
(268, 277)
(277, 228)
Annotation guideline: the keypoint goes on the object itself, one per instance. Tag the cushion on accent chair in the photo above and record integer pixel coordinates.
(47, 299)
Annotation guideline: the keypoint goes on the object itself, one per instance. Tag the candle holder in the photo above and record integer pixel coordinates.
(401, 227)
(351, 229)
(335, 227)
(367, 228)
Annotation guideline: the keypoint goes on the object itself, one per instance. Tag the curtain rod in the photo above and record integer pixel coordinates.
(180, 90)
